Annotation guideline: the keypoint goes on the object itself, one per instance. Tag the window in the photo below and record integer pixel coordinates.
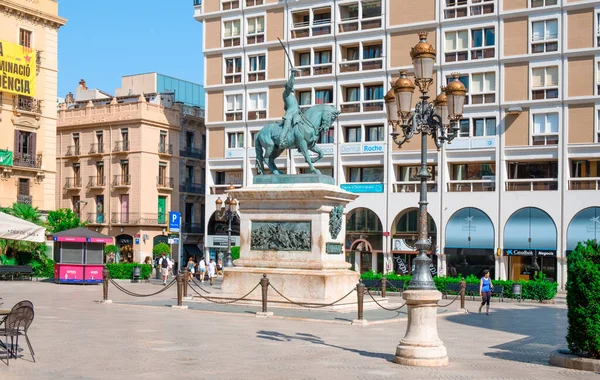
(374, 133)
(543, 3)
(545, 129)
(234, 107)
(25, 38)
(162, 173)
(482, 43)
(251, 3)
(76, 143)
(409, 181)
(315, 22)
(368, 174)
(464, 126)
(233, 70)
(100, 173)
(372, 57)
(585, 169)
(485, 173)
(352, 94)
(303, 59)
(230, 4)
(125, 135)
(24, 187)
(528, 176)
(25, 143)
(76, 171)
(477, 127)
(544, 36)
(235, 140)
(598, 28)
(544, 83)
(257, 106)
(322, 62)
(373, 98)
(464, 8)
(321, 21)
(100, 141)
(304, 99)
(256, 30)
(324, 96)
(327, 137)
(256, 68)
(457, 44)
(231, 36)
(352, 134)
(483, 88)
(362, 15)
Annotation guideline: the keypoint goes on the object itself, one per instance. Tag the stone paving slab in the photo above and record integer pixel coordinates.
(75, 337)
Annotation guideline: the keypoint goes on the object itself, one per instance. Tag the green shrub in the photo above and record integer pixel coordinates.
(583, 299)
(235, 253)
(110, 248)
(539, 289)
(161, 248)
(124, 271)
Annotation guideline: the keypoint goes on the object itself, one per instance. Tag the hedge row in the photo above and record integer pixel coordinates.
(538, 289)
(124, 271)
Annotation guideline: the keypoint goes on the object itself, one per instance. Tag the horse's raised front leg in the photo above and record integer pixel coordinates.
(315, 148)
(303, 148)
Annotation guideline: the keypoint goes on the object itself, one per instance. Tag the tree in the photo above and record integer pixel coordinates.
(161, 248)
(63, 219)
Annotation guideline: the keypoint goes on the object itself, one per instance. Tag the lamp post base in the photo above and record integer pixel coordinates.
(421, 345)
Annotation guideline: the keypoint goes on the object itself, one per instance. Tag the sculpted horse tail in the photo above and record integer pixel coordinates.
(260, 159)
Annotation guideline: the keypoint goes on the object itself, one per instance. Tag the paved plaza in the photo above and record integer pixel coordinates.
(75, 337)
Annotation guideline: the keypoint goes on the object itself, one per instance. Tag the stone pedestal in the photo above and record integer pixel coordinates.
(294, 233)
(421, 345)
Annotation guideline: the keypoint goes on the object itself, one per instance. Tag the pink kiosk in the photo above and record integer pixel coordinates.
(79, 256)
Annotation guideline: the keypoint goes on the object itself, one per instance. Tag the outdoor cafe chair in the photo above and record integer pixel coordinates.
(17, 323)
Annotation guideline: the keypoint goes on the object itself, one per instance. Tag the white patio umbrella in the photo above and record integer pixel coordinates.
(13, 228)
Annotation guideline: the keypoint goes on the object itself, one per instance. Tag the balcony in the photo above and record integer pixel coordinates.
(165, 149)
(372, 64)
(72, 183)
(192, 152)
(196, 112)
(164, 183)
(192, 188)
(350, 107)
(96, 149)
(121, 146)
(323, 69)
(25, 199)
(72, 151)
(470, 186)
(373, 106)
(349, 66)
(96, 182)
(255, 115)
(256, 76)
(590, 183)
(96, 218)
(413, 187)
(538, 184)
(233, 78)
(28, 161)
(193, 228)
(233, 116)
(121, 180)
(132, 218)
(27, 104)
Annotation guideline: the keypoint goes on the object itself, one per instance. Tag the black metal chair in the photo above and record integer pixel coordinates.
(17, 323)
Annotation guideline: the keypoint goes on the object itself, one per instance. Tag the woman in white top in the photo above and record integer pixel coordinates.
(212, 271)
(202, 269)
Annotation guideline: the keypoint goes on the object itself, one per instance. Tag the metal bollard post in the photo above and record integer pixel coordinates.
(463, 288)
(180, 280)
(185, 281)
(264, 284)
(105, 279)
(383, 283)
(360, 293)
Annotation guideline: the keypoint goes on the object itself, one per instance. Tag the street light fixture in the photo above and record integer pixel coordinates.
(421, 344)
(227, 212)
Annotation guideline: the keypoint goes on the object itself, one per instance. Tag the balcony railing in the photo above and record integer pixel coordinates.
(373, 106)
(256, 76)
(193, 112)
(413, 187)
(24, 103)
(255, 115)
(590, 183)
(227, 5)
(193, 228)
(72, 150)
(96, 218)
(132, 218)
(193, 188)
(96, 148)
(164, 148)
(96, 181)
(232, 116)
(251, 3)
(471, 186)
(121, 146)
(233, 78)
(23, 198)
(73, 183)
(28, 160)
(192, 152)
(350, 107)
(164, 182)
(121, 180)
(538, 184)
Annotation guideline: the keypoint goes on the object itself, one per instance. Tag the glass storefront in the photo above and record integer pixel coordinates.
(526, 267)
(468, 261)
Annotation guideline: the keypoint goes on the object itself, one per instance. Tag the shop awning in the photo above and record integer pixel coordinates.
(192, 250)
(583, 227)
(530, 229)
(470, 228)
(13, 228)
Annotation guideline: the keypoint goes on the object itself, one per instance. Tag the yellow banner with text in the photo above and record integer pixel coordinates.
(17, 69)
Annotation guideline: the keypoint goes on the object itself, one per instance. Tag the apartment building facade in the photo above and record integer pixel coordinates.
(513, 193)
(125, 161)
(28, 39)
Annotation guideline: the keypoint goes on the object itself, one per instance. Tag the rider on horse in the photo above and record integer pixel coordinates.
(292, 110)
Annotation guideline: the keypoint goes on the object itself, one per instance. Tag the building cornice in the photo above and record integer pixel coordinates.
(11, 8)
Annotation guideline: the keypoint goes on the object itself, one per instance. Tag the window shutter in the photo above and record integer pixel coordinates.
(17, 135)
(33, 145)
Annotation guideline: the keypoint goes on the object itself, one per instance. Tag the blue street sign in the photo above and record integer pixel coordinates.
(174, 221)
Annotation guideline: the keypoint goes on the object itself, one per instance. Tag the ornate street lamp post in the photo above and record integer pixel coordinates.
(421, 345)
(227, 212)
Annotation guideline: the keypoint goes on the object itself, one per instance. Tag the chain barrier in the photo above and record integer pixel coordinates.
(383, 307)
(130, 293)
(455, 298)
(209, 299)
(390, 284)
(201, 288)
(311, 305)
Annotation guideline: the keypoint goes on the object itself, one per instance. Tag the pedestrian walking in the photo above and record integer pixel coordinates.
(202, 269)
(220, 267)
(164, 263)
(485, 291)
(212, 271)
(190, 268)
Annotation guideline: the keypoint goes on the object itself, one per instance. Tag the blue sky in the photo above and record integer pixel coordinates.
(104, 40)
